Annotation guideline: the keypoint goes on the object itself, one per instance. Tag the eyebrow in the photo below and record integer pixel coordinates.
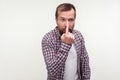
(65, 18)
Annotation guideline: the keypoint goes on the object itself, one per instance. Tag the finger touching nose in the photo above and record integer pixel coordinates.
(67, 27)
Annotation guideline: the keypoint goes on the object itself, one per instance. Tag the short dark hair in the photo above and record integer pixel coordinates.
(64, 7)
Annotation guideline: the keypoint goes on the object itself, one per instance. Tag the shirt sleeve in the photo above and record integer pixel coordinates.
(55, 60)
(84, 59)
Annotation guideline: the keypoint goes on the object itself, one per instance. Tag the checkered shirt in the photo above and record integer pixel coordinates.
(55, 53)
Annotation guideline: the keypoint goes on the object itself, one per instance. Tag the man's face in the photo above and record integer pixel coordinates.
(65, 17)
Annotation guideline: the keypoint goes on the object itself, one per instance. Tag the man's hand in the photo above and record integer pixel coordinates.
(67, 37)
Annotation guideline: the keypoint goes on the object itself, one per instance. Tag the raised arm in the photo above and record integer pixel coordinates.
(55, 60)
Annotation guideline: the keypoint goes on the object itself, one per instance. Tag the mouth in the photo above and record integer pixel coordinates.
(64, 30)
(69, 30)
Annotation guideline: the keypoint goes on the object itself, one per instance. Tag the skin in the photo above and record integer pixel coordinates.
(65, 22)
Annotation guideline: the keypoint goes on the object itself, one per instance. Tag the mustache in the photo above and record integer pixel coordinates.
(64, 30)
(70, 30)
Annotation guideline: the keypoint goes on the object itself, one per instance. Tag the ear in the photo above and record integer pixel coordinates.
(56, 20)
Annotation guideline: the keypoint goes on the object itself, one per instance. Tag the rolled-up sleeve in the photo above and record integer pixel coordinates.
(84, 59)
(55, 60)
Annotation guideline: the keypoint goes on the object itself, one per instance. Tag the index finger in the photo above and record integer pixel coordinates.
(67, 27)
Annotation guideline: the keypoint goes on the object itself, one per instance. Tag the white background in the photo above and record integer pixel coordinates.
(23, 23)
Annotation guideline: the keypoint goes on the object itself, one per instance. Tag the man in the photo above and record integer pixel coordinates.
(63, 48)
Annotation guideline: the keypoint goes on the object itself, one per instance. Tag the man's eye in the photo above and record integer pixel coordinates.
(71, 20)
(62, 19)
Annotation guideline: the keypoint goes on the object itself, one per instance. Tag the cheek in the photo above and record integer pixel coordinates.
(71, 26)
(61, 25)
(61, 28)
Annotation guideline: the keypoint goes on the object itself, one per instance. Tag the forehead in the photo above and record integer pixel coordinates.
(66, 14)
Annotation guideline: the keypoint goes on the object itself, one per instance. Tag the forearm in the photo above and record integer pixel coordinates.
(85, 68)
(55, 60)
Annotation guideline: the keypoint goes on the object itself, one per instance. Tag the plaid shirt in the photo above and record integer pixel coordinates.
(55, 53)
